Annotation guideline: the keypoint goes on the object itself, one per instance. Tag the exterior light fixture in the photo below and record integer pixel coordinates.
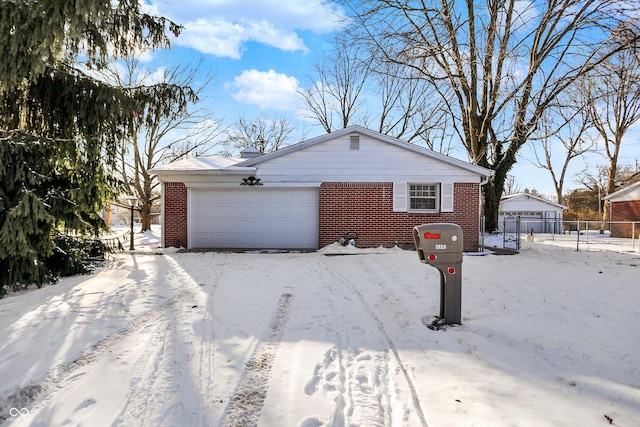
(132, 202)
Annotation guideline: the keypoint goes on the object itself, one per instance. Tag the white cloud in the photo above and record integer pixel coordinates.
(268, 90)
(220, 27)
(224, 38)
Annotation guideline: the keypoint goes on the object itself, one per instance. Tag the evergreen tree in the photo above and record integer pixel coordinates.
(61, 129)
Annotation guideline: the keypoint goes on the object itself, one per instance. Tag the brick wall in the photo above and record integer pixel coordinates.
(175, 214)
(625, 211)
(367, 209)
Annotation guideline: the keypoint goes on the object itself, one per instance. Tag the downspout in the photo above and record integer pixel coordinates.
(481, 224)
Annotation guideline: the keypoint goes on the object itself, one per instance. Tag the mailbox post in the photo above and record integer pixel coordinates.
(440, 245)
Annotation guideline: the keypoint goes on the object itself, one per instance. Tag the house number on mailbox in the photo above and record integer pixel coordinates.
(443, 247)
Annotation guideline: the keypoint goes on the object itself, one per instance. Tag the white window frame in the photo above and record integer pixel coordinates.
(435, 197)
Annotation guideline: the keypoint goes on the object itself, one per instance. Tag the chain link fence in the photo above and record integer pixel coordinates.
(518, 233)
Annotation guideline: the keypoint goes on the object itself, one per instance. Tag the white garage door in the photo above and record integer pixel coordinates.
(254, 218)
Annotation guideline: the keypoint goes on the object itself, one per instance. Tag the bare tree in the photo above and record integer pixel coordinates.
(616, 109)
(408, 108)
(565, 127)
(335, 97)
(388, 98)
(263, 133)
(169, 131)
(511, 186)
(497, 64)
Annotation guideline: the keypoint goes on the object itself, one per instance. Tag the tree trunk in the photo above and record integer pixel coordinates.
(613, 170)
(491, 206)
(610, 188)
(145, 216)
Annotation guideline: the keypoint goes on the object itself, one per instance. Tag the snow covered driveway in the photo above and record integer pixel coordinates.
(292, 339)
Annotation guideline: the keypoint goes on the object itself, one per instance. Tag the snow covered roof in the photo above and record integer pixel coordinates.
(201, 165)
(630, 192)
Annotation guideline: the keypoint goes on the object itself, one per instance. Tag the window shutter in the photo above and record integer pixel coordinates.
(446, 197)
(399, 196)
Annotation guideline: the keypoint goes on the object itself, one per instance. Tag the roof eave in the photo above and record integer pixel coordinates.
(629, 188)
(231, 170)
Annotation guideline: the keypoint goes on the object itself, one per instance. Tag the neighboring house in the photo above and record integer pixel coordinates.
(625, 206)
(118, 214)
(310, 194)
(536, 214)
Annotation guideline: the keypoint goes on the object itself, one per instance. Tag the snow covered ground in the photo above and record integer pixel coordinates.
(160, 338)
(590, 240)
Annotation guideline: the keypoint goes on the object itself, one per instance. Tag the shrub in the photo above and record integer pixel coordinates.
(71, 255)
(75, 255)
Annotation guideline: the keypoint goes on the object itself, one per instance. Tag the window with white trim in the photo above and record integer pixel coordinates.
(423, 197)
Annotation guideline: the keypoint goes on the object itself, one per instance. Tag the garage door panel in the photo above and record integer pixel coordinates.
(307, 197)
(286, 211)
(201, 197)
(285, 241)
(303, 226)
(245, 211)
(244, 196)
(202, 226)
(264, 196)
(242, 224)
(203, 210)
(286, 196)
(285, 226)
(307, 211)
(224, 226)
(221, 210)
(254, 218)
(268, 211)
(201, 241)
(241, 241)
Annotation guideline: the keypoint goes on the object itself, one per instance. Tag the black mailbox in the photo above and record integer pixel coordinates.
(440, 245)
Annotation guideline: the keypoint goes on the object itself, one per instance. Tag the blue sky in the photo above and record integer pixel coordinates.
(262, 51)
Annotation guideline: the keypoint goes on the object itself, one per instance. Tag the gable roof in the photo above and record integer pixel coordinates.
(374, 135)
(512, 197)
(625, 194)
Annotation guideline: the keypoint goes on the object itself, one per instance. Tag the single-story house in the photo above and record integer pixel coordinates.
(310, 194)
(537, 215)
(625, 206)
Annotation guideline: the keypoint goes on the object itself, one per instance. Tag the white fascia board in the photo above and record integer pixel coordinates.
(181, 175)
(226, 185)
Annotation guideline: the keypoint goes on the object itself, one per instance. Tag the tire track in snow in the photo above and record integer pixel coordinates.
(155, 374)
(380, 325)
(144, 375)
(155, 381)
(245, 404)
(35, 396)
(206, 369)
(155, 387)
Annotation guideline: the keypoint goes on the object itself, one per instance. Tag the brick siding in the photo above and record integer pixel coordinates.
(367, 209)
(175, 214)
(625, 211)
(362, 207)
